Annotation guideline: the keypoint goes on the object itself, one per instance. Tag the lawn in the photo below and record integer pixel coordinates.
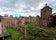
(14, 33)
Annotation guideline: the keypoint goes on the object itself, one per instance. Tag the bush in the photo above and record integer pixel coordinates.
(40, 32)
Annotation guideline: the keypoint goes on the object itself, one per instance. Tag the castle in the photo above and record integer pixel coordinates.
(19, 23)
(46, 14)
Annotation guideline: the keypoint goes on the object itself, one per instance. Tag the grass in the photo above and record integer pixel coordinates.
(14, 33)
(48, 33)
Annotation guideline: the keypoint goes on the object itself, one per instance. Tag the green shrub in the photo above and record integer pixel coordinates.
(36, 32)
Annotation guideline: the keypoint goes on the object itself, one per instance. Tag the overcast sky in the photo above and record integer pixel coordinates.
(24, 7)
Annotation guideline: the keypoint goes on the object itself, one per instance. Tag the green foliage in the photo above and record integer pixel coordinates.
(36, 32)
(53, 21)
(15, 34)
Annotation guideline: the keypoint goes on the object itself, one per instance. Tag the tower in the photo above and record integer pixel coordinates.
(46, 13)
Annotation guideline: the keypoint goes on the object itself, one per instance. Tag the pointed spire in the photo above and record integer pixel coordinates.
(46, 4)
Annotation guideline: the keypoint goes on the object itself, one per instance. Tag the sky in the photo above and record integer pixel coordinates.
(24, 7)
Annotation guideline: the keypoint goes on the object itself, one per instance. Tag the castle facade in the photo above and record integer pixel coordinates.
(19, 23)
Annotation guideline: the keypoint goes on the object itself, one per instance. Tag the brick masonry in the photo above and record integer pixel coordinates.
(19, 23)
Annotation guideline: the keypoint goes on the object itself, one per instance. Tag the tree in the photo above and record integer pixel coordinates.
(53, 21)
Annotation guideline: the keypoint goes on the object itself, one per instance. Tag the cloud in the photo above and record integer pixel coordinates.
(24, 7)
(41, 5)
